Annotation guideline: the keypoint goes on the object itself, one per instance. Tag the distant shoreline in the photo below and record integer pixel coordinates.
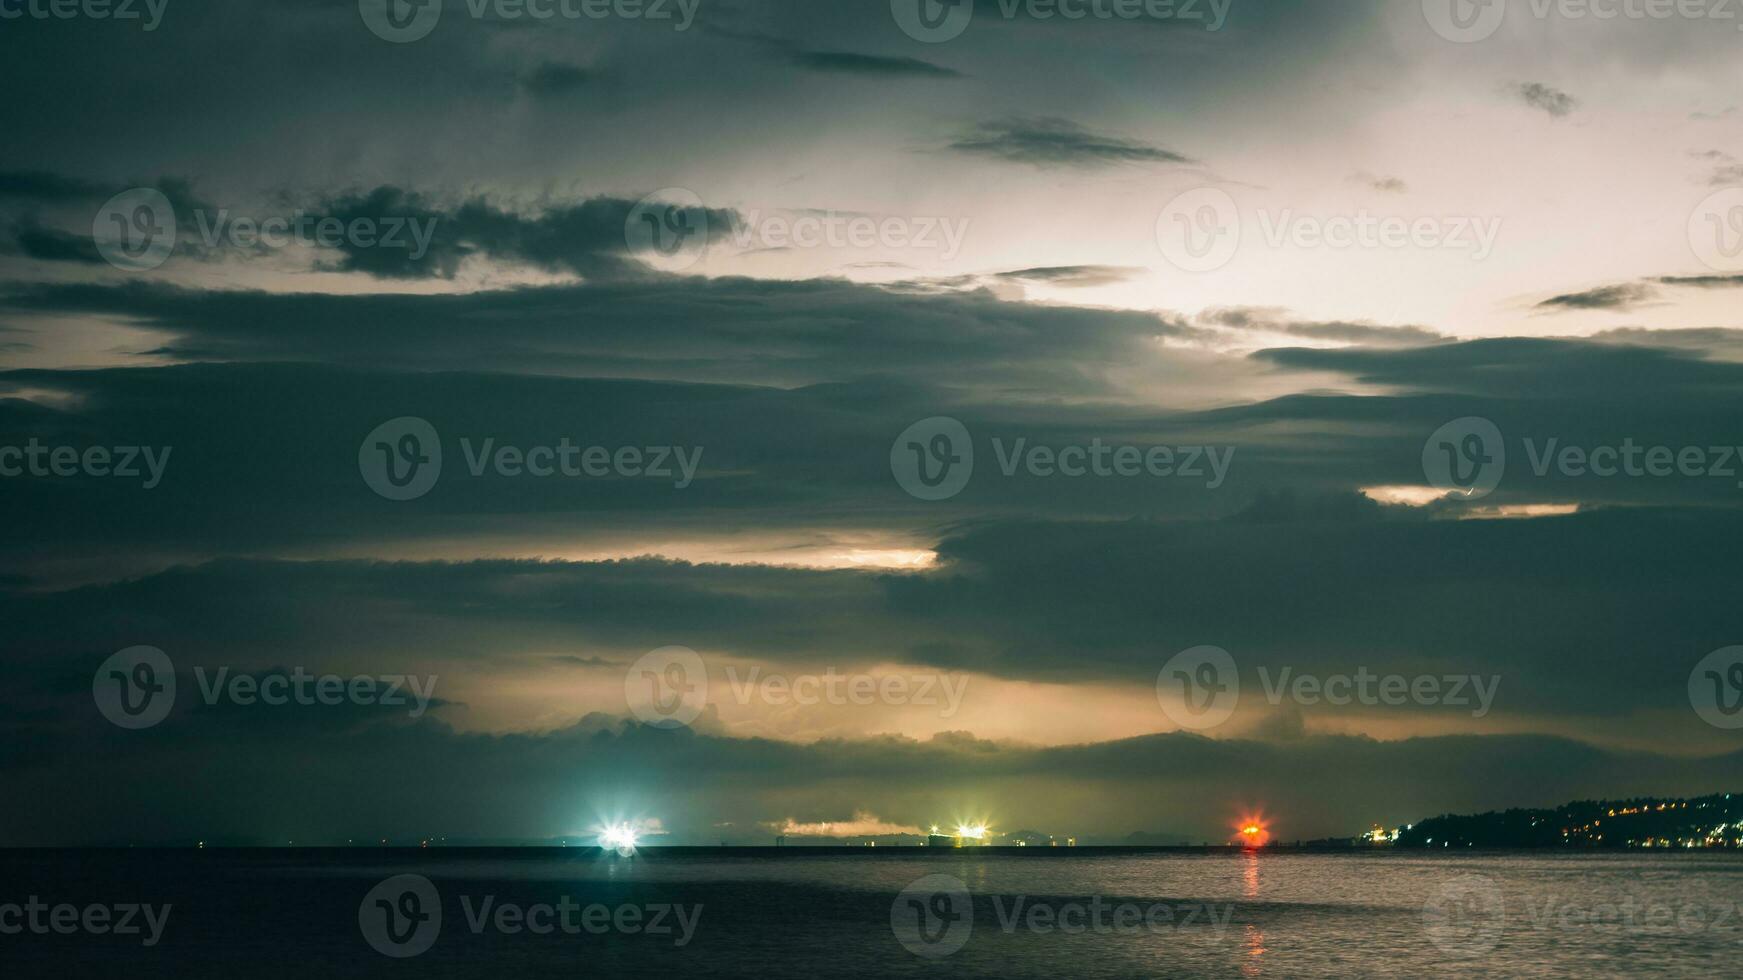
(654, 852)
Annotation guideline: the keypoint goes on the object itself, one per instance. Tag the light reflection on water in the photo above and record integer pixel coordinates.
(1266, 914)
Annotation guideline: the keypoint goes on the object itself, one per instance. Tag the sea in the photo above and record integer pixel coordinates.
(828, 913)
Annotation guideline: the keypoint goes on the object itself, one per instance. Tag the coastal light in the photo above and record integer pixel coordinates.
(619, 837)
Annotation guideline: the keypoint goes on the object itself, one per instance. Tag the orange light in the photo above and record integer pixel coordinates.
(1251, 830)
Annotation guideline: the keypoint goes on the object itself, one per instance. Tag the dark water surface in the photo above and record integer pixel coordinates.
(816, 913)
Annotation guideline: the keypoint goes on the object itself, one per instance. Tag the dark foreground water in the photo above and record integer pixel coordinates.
(889, 913)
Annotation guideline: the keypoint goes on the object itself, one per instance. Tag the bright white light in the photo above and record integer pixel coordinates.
(971, 833)
(619, 836)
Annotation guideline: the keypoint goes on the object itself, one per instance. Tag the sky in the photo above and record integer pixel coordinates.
(743, 418)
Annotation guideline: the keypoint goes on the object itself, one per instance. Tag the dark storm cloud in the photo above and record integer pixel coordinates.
(554, 78)
(588, 239)
(1528, 369)
(728, 330)
(1726, 168)
(48, 216)
(850, 62)
(1075, 276)
(1620, 298)
(1623, 297)
(334, 778)
(41, 187)
(1054, 142)
(1317, 584)
(1551, 100)
(1704, 282)
(1389, 185)
(795, 389)
(34, 241)
(31, 188)
(1250, 319)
